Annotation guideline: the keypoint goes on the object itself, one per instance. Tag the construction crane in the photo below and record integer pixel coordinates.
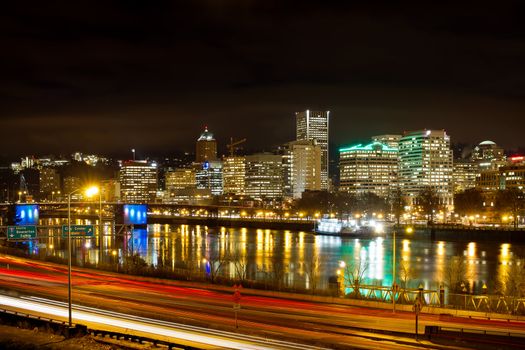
(232, 144)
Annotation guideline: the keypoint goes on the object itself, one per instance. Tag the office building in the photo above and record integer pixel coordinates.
(488, 155)
(513, 177)
(465, 172)
(70, 185)
(233, 175)
(368, 168)
(314, 125)
(209, 176)
(49, 183)
(391, 140)
(138, 181)
(425, 160)
(264, 176)
(110, 190)
(206, 149)
(301, 167)
(180, 179)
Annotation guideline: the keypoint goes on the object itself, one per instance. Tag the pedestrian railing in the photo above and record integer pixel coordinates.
(402, 296)
(487, 303)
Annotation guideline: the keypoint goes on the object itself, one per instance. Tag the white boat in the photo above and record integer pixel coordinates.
(331, 226)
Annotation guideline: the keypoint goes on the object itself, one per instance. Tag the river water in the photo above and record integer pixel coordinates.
(306, 260)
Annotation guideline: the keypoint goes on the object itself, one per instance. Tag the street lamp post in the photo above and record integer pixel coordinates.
(394, 285)
(100, 227)
(89, 192)
(70, 318)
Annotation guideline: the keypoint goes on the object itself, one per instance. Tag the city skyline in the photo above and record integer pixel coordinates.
(148, 76)
(222, 148)
(262, 174)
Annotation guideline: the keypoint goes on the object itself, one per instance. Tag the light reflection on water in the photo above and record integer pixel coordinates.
(183, 246)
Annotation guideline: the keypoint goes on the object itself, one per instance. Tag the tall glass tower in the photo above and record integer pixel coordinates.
(314, 125)
(425, 160)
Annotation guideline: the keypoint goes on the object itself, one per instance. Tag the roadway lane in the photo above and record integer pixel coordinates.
(323, 324)
(187, 335)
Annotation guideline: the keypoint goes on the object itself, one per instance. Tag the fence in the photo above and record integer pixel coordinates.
(402, 296)
(482, 303)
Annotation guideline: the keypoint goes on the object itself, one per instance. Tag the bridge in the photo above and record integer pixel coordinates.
(163, 213)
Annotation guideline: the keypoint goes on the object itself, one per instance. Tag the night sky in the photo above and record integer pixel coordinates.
(109, 76)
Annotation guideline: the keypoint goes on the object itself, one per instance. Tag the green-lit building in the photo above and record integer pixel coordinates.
(368, 168)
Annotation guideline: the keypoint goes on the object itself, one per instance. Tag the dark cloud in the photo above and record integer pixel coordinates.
(111, 75)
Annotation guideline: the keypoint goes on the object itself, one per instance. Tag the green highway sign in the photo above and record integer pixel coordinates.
(21, 232)
(78, 231)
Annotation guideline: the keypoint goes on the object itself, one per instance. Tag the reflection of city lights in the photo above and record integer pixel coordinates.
(342, 264)
(505, 250)
(406, 245)
(441, 248)
(472, 249)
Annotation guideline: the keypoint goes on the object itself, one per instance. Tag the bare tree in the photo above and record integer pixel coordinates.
(397, 204)
(354, 273)
(510, 201)
(278, 270)
(215, 263)
(240, 265)
(455, 274)
(428, 199)
(405, 273)
(311, 269)
(514, 280)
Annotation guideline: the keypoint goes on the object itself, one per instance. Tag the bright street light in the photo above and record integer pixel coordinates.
(91, 191)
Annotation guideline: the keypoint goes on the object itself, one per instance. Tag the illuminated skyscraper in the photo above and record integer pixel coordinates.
(180, 179)
(49, 182)
(138, 181)
(368, 168)
(209, 176)
(233, 174)
(465, 172)
(314, 125)
(425, 160)
(302, 167)
(264, 176)
(488, 155)
(206, 149)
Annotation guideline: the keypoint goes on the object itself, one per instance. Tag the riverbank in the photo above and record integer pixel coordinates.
(454, 233)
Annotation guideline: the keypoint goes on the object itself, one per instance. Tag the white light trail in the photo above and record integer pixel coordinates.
(141, 324)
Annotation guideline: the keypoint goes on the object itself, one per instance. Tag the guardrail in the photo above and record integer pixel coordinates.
(138, 339)
(476, 336)
(23, 320)
(28, 321)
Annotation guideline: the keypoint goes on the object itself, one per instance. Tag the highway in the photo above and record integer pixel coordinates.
(174, 310)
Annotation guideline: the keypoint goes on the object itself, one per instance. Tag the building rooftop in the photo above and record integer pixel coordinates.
(206, 136)
(370, 147)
